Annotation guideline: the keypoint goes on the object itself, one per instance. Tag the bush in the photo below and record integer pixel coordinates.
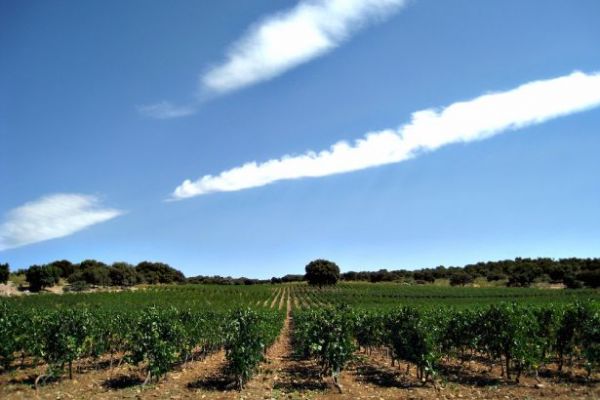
(591, 342)
(326, 334)
(65, 334)
(40, 277)
(511, 331)
(10, 330)
(156, 341)
(4, 273)
(244, 344)
(77, 286)
(571, 327)
(411, 338)
(322, 272)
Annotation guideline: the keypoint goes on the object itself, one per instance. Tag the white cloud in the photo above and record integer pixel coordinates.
(279, 42)
(166, 110)
(52, 217)
(287, 39)
(466, 121)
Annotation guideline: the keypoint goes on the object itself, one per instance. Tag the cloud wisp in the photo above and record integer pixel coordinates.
(51, 217)
(166, 110)
(280, 42)
(466, 121)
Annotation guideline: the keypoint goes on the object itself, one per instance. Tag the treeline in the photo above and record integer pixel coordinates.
(228, 280)
(88, 273)
(223, 280)
(520, 272)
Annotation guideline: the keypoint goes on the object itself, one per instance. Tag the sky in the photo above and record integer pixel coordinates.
(248, 138)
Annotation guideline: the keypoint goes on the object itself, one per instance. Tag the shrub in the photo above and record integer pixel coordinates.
(77, 286)
(247, 335)
(64, 338)
(9, 332)
(156, 340)
(412, 338)
(326, 334)
(511, 331)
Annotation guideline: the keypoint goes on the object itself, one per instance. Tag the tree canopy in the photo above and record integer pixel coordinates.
(40, 277)
(322, 272)
(4, 272)
(157, 272)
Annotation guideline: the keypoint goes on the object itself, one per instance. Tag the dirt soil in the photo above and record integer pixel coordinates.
(9, 289)
(282, 376)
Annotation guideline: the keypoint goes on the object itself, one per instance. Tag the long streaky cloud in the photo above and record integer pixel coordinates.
(52, 217)
(287, 39)
(466, 121)
(280, 42)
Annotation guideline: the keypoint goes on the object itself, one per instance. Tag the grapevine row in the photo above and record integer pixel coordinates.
(520, 338)
(154, 338)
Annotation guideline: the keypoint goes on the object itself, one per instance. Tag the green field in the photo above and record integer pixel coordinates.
(359, 295)
(155, 328)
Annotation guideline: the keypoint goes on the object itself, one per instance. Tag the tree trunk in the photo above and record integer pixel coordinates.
(148, 376)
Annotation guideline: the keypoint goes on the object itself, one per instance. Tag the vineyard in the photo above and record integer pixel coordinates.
(188, 340)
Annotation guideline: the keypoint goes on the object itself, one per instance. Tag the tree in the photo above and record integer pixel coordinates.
(589, 278)
(424, 276)
(156, 272)
(322, 272)
(460, 278)
(98, 276)
(572, 283)
(495, 276)
(4, 272)
(521, 279)
(40, 277)
(66, 267)
(123, 274)
(91, 263)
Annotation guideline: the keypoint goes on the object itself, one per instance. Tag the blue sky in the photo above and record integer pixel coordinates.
(107, 107)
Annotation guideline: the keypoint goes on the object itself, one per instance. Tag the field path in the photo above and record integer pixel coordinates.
(279, 361)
